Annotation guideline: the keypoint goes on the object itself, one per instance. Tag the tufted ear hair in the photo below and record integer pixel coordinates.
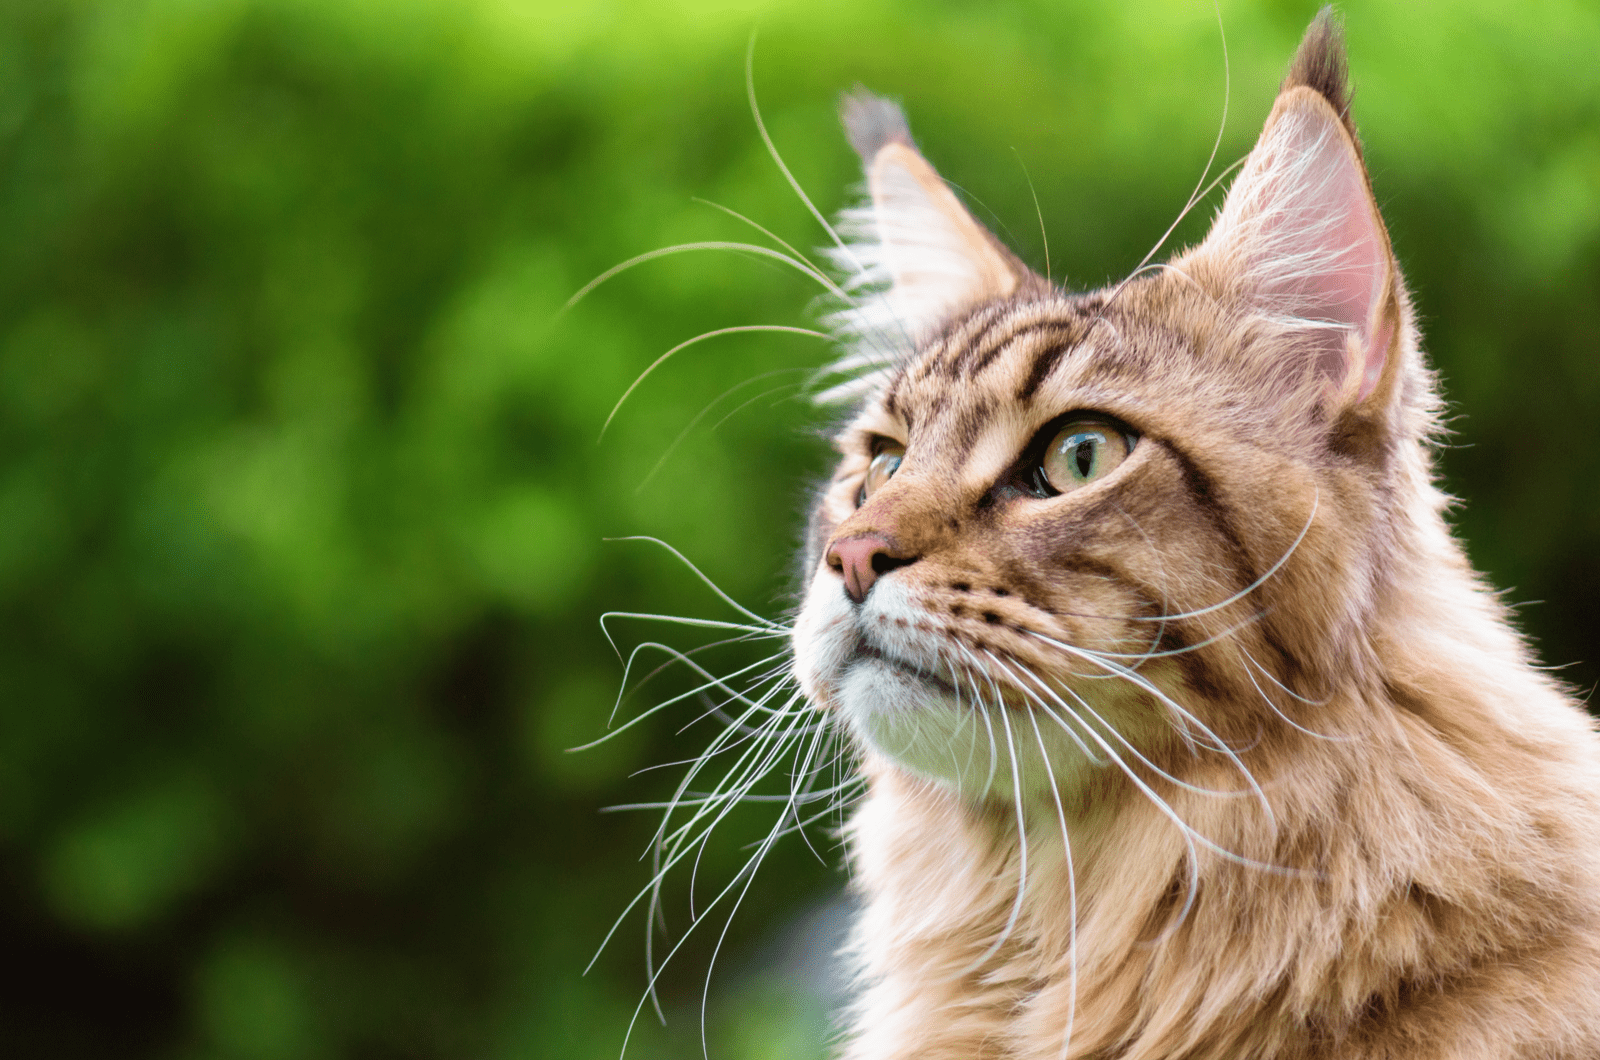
(913, 242)
(1299, 237)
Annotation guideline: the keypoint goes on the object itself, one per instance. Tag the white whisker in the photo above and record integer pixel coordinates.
(1072, 889)
(772, 149)
(1140, 681)
(1281, 715)
(1110, 728)
(672, 447)
(737, 329)
(1043, 235)
(784, 243)
(1253, 586)
(1196, 196)
(765, 624)
(710, 244)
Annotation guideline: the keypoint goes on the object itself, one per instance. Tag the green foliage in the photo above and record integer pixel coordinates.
(302, 513)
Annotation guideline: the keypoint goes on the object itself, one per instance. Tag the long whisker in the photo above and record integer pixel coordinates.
(705, 798)
(1072, 889)
(784, 243)
(714, 710)
(1083, 748)
(1043, 235)
(988, 723)
(1249, 665)
(661, 668)
(1197, 195)
(972, 714)
(763, 758)
(801, 783)
(1161, 569)
(1286, 689)
(1228, 601)
(1112, 729)
(711, 682)
(746, 770)
(772, 149)
(1140, 657)
(1022, 825)
(1147, 265)
(745, 875)
(1190, 835)
(1253, 586)
(757, 858)
(1022, 829)
(706, 411)
(732, 737)
(757, 707)
(652, 890)
(1140, 681)
(1172, 815)
(659, 361)
(750, 764)
(707, 244)
(675, 657)
(798, 388)
(764, 623)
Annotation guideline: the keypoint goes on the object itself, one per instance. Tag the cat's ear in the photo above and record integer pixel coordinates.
(1299, 236)
(914, 235)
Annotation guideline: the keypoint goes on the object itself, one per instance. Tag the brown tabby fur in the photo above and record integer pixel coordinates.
(1426, 882)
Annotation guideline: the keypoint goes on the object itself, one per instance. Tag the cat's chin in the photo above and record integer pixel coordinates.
(919, 724)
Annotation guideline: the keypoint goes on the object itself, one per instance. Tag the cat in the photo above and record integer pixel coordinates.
(1187, 728)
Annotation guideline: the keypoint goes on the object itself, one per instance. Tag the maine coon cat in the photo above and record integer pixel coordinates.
(1187, 728)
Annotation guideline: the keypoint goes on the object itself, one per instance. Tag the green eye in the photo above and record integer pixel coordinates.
(1081, 452)
(882, 468)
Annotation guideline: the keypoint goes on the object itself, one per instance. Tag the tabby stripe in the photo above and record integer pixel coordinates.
(940, 364)
(890, 394)
(1044, 363)
(968, 429)
(950, 366)
(972, 362)
(1204, 492)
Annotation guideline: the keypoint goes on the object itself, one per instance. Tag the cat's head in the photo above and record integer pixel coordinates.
(1068, 529)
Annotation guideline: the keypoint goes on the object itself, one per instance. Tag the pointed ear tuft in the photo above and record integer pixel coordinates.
(1299, 239)
(872, 122)
(916, 257)
(1320, 65)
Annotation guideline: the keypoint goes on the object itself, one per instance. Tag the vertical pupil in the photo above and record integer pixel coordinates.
(1083, 456)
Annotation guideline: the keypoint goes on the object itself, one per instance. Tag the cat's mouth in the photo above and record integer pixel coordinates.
(957, 687)
(866, 651)
(958, 727)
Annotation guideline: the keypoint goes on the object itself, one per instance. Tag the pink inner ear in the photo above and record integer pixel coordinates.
(1377, 353)
(1318, 251)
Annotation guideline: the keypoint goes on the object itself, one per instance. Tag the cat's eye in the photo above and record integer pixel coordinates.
(1082, 451)
(882, 468)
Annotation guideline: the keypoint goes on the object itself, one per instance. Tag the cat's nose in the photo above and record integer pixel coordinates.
(862, 558)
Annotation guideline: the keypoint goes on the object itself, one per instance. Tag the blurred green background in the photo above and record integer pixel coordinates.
(302, 511)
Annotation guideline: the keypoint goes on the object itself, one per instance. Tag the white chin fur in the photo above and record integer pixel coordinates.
(978, 751)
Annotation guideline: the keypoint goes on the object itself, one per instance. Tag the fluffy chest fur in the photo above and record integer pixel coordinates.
(1189, 730)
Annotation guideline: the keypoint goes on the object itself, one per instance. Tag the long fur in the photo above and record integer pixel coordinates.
(1263, 769)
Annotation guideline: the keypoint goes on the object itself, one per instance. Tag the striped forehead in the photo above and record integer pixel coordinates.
(1004, 354)
(969, 401)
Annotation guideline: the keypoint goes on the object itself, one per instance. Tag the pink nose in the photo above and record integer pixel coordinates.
(861, 559)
